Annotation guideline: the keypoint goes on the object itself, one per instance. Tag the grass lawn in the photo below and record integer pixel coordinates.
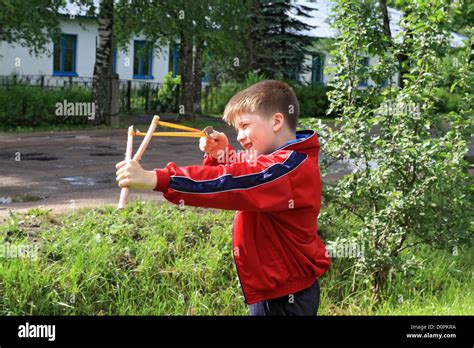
(160, 260)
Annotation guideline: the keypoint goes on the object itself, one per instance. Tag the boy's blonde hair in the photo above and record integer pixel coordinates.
(265, 98)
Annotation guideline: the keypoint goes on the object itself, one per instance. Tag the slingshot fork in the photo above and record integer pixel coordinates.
(189, 132)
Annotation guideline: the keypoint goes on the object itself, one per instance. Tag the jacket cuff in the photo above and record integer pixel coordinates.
(162, 180)
(209, 160)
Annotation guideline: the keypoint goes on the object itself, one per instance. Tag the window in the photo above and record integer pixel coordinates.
(64, 56)
(207, 67)
(295, 72)
(317, 71)
(365, 64)
(142, 61)
(114, 63)
(173, 64)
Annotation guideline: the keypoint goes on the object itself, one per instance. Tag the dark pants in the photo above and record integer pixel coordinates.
(304, 302)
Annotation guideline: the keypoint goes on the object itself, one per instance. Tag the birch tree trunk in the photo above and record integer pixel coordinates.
(101, 85)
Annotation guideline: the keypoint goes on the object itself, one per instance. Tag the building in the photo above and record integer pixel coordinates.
(74, 55)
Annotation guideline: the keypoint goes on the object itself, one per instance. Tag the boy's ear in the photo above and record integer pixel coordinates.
(278, 121)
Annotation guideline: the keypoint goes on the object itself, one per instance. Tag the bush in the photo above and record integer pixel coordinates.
(31, 106)
(168, 94)
(219, 96)
(313, 100)
(445, 101)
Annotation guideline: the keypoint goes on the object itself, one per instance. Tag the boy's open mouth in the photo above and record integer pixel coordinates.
(248, 146)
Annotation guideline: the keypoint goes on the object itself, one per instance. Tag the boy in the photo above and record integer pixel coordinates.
(276, 192)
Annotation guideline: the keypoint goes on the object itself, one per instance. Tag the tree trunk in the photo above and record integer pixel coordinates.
(379, 279)
(386, 28)
(101, 86)
(187, 100)
(197, 78)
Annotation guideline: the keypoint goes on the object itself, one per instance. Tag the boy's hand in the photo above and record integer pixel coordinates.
(217, 142)
(131, 174)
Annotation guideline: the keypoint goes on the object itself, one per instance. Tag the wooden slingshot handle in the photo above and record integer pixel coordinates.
(128, 156)
(138, 154)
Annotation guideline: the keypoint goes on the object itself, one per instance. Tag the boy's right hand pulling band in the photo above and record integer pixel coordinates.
(217, 142)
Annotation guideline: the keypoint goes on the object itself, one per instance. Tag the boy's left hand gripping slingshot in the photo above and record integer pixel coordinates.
(189, 132)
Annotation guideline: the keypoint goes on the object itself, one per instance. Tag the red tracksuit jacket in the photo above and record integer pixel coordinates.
(277, 250)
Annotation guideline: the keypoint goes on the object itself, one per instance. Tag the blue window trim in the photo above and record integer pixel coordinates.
(366, 63)
(61, 72)
(142, 76)
(205, 78)
(317, 77)
(114, 63)
(175, 59)
(295, 73)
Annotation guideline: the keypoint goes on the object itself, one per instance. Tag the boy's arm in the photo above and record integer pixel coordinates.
(270, 183)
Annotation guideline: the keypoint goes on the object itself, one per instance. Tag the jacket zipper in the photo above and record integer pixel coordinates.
(237, 267)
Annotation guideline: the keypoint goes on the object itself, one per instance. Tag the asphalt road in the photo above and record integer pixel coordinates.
(73, 169)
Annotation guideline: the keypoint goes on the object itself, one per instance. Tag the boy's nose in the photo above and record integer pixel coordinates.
(240, 136)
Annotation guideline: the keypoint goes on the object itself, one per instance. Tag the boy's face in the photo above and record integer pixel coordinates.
(255, 133)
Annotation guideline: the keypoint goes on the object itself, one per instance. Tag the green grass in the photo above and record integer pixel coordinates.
(160, 260)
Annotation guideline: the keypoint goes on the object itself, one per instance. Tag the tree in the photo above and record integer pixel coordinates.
(101, 88)
(409, 177)
(278, 35)
(193, 23)
(32, 24)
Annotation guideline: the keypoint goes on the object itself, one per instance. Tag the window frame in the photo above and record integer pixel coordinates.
(320, 78)
(140, 75)
(62, 54)
(366, 82)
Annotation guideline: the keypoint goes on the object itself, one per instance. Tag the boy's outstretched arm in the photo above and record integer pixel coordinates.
(276, 182)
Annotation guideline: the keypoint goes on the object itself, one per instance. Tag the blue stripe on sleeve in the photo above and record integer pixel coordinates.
(228, 182)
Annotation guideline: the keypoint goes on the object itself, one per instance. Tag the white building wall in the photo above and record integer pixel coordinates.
(15, 59)
(125, 63)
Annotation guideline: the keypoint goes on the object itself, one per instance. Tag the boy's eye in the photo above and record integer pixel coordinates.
(242, 126)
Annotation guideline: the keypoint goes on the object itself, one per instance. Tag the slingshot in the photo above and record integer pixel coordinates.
(188, 132)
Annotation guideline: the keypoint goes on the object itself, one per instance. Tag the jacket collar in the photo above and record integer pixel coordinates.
(306, 141)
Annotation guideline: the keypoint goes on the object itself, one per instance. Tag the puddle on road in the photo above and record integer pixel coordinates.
(110, 147)
(37, 157)
(20, 199)
(32, 156)
(102, 154)
(79, 148)
(79, 181)
(70, 136)
(89, 181)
